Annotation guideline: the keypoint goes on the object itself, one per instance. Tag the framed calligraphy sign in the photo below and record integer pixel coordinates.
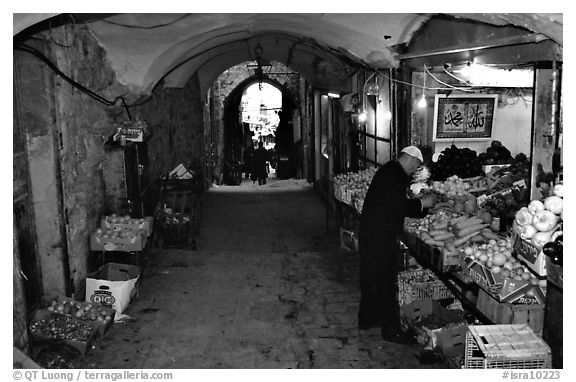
(464, 117)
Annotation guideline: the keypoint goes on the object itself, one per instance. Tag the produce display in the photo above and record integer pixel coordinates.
(122, 233)
(496, 154)
(351, 187)
(115, 219)
(452, 230)
(462, 162)
(496, 255)
(540, 221)
(82, 310)
(454, 186)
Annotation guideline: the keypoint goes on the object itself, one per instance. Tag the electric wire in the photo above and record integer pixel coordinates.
(445, 84)
(456, 78)
(90, 93)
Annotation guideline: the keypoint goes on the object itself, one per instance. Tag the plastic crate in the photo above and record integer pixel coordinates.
(505, 347)
(420, 284)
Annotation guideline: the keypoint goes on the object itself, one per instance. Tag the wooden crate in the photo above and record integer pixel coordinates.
(178, 218)
(505, 347)
(507, 313)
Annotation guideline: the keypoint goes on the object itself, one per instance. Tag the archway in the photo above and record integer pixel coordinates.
(238, 136)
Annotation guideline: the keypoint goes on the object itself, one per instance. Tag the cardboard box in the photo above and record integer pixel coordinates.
(146, 225)
(135, 243)
(113, 285)
(413, 315)
(504, 289)
(506, 313)
(529, 254)
(446, 261)
(452, 343)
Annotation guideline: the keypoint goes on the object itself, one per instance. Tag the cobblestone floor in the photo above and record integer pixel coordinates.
(268, 287)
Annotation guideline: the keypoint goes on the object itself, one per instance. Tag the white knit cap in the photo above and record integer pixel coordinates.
(413, 151)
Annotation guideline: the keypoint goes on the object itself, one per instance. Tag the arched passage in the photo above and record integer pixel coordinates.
(237, 135)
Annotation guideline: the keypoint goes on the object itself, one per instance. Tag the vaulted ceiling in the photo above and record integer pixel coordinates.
(146, 48)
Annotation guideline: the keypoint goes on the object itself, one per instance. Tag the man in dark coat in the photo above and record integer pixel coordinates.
(261, 157)
(382, 221)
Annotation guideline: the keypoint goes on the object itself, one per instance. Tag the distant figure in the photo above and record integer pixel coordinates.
(261, 159)
(249, 160)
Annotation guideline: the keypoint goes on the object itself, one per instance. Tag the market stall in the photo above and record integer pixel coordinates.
(486, 242)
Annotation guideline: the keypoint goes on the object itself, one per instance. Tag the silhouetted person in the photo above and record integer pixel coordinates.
(261, 158)
(249, 160)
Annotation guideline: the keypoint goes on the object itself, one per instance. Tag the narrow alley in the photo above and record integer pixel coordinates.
(267, 288)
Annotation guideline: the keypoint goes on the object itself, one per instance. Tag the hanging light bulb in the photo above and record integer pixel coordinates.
(422, 102)
(466, 70)
(362, 117)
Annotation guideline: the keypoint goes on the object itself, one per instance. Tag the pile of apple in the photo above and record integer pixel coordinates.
(82, 310)
(538, 223)
(454, 186)
(496, 255)
(355, 181)
(117, 232)
(115, 219)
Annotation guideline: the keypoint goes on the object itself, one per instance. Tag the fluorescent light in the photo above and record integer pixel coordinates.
(333, 95)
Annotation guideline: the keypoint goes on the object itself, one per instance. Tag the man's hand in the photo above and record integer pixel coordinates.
(429, 201)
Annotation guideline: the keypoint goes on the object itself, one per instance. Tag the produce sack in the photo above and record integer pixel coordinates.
(113, 285)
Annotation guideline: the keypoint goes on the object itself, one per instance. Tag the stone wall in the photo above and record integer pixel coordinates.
(175, 116)
(19, 332)
(80, 125)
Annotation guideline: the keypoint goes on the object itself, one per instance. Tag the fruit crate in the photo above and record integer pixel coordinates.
(529, 254)
(46, 326)
(420, 284)
(178, 215)
(101, 325)
(505, 347)
(507, 313)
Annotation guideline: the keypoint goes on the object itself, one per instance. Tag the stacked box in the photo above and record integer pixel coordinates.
(505, 347)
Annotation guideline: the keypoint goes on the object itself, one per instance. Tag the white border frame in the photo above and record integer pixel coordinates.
(437, 96)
